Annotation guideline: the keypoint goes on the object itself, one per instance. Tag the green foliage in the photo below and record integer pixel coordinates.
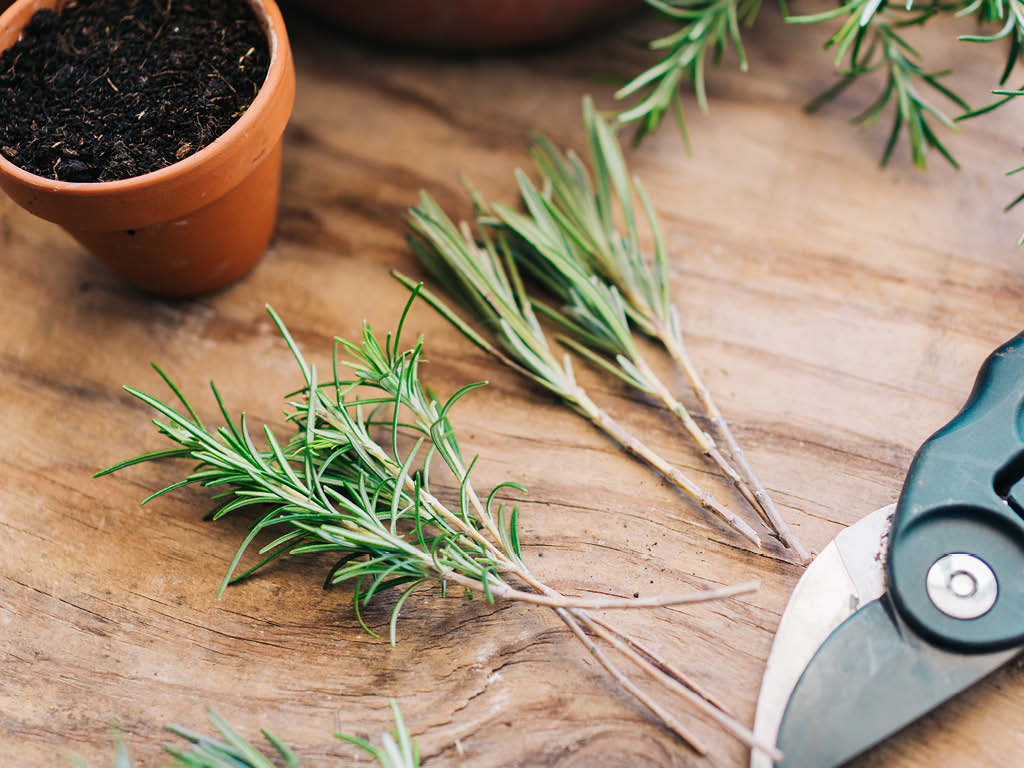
(578, 237)
(707, 28)
(334, 488)
(1020, 197)
(343, 484)
(481, 268)
(580, 210)
(397, 750)
(869, 40)
(1009, 13)
(485, 277)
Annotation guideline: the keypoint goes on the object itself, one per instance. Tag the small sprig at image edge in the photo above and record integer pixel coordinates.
(397, 749)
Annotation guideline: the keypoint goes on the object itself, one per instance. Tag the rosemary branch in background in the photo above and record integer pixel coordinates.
(868, 40)
(335, 488)
(573, 231)
(1019, 197)
(397, 750)
(1009, 13)
(476, 274)
(707, 29)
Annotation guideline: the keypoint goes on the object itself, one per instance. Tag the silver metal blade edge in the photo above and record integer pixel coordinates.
(849, 572)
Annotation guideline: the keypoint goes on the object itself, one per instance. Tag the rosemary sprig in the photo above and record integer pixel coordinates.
(707, 29)
(1016, 201)
(490, 284)
(1011, 14)
(594, 311)
(869, 40)
(335, 488)
(573, 229)
(397, 749)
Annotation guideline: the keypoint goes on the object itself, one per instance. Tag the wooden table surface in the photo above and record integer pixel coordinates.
(839, 312)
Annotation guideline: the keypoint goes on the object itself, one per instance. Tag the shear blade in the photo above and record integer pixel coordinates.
(844, 670)
(872, 676)
(848, 573)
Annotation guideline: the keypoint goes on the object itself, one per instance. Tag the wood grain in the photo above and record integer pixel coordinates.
(839, 312)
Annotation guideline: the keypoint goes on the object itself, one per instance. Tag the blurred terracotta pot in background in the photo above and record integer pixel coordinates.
(471, 24)
(194, 226)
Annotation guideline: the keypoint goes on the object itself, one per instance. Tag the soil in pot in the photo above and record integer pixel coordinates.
(113, 89)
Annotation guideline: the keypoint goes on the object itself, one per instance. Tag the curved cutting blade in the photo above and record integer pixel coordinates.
(844, 670)
(872, 676)
(848, 573)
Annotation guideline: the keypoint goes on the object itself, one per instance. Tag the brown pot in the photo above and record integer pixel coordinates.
(194, 226)
(471, 24)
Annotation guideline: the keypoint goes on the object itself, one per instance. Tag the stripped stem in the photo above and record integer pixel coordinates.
(555, 600)
(771, 514)
(706, 500)
(723, 719)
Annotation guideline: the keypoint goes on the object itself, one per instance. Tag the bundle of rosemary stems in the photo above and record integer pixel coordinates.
(397, 749)
(346, 484)
(608, 290)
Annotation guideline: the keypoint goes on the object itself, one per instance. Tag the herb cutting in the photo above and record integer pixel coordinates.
(569, 240)
(335, 488)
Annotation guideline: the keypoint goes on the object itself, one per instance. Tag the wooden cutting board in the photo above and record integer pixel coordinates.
(839, 312)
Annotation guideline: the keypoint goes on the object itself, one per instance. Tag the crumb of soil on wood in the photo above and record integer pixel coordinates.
(111, 89)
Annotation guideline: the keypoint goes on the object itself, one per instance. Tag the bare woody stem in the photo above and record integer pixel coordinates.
(659, 711)
(703, 439)
(572, 621)
(658, 670)
(723, 719)
(653, 665)
(572, 612)
(774, 519)
(556, 600)
(666, 667)
(705, 499)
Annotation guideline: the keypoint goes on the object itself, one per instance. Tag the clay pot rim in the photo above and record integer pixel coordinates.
(273, 25)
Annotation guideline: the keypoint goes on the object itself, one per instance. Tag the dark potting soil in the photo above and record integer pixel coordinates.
(111, 89)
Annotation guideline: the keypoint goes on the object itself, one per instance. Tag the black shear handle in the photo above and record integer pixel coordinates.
(964, 494)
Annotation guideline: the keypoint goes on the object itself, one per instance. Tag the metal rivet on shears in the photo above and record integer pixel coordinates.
(962, 586)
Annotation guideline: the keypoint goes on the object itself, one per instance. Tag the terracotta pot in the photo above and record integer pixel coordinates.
(472, 24)
(194, 226)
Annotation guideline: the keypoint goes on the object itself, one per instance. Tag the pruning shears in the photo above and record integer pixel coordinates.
(915, 602)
